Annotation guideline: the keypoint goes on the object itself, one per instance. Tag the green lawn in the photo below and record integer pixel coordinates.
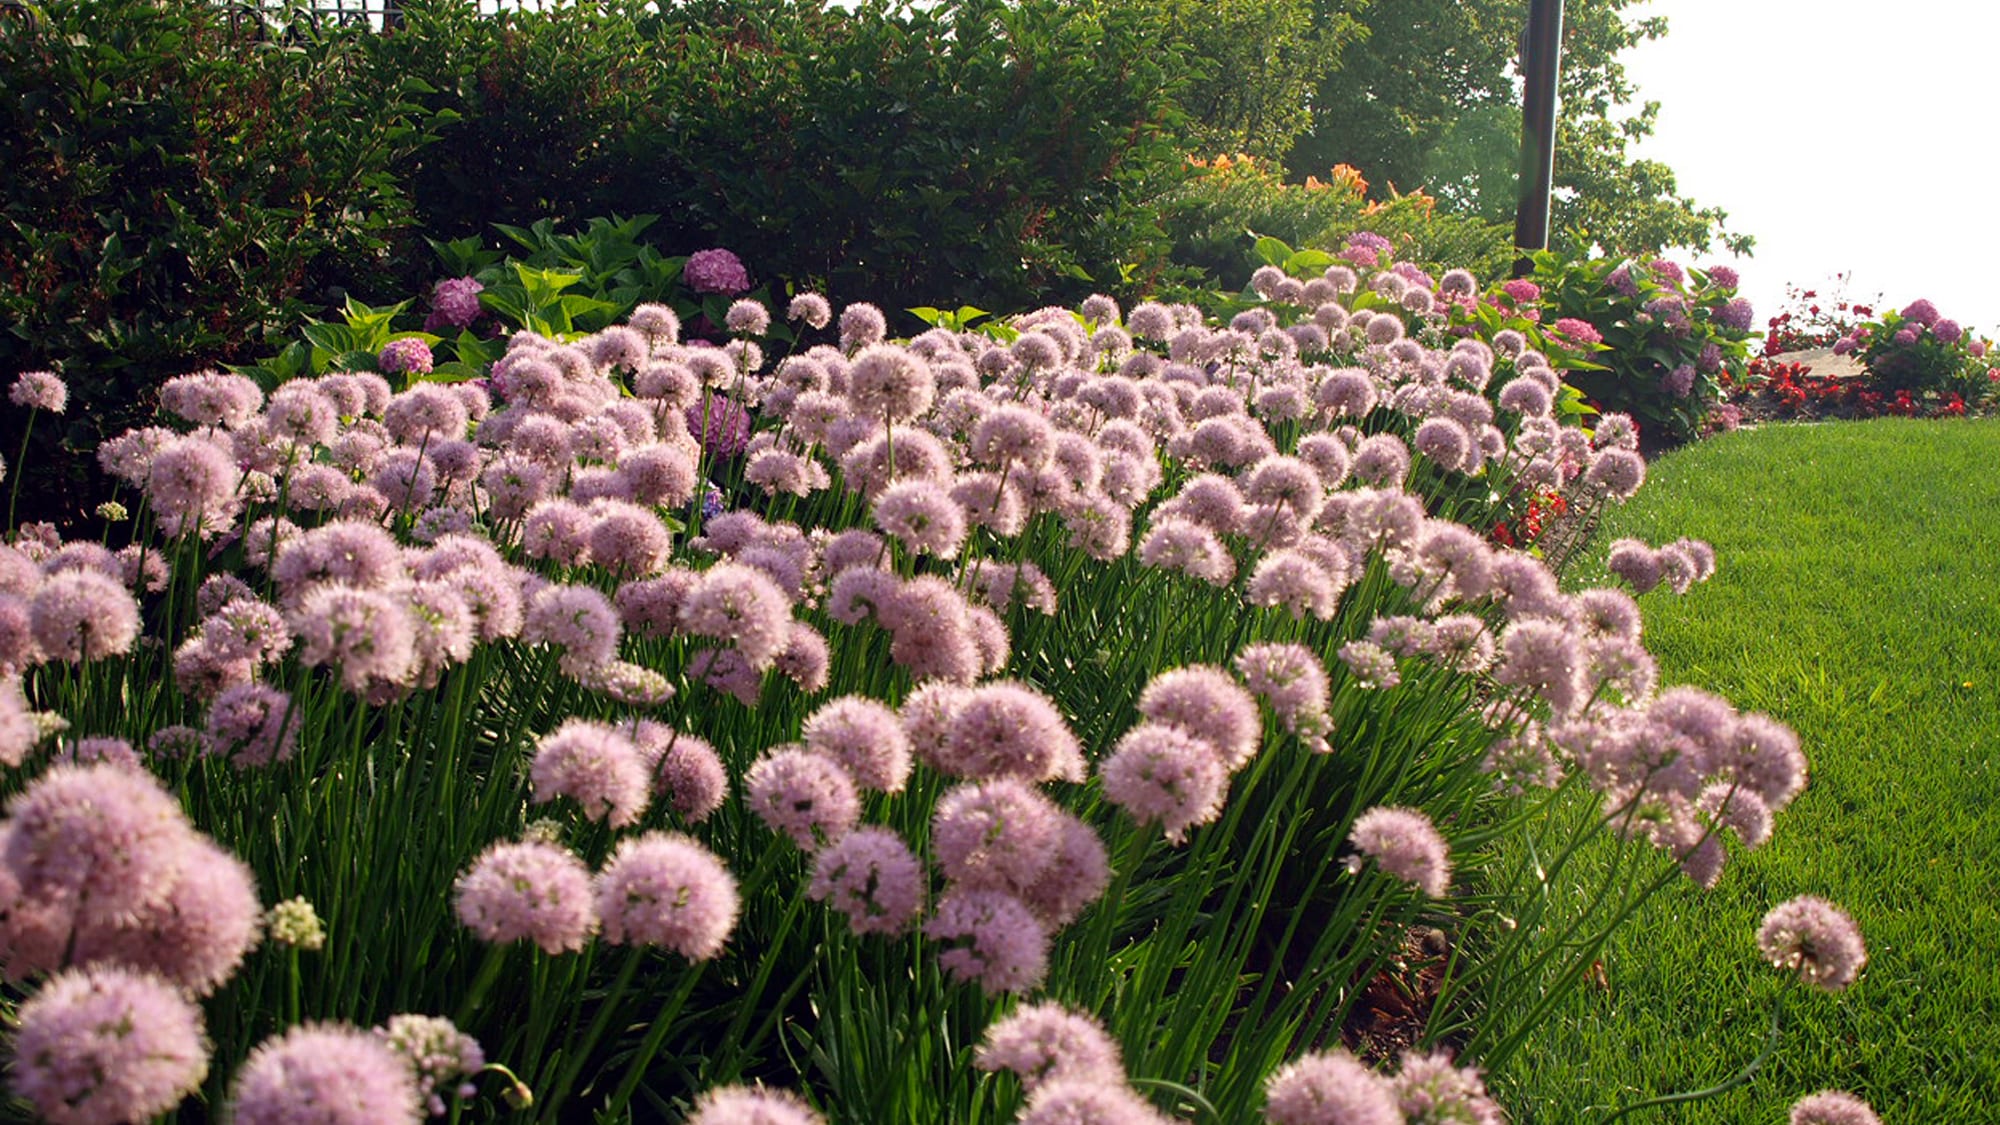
(1858, 599)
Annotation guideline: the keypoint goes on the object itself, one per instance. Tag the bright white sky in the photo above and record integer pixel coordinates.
(1845, 135)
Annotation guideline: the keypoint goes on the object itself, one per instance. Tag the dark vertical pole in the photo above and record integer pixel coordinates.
(1541, 61)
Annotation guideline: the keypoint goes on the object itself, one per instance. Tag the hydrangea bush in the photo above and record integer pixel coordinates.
(1091, 701)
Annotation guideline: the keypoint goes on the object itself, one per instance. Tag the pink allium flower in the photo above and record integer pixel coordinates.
(190, 477)
(891, 383)
(807, 797)
(106, 836)
(439, 1053)
(1089, 1098)
(1405, 844)
(325, 1074)
(1295, 581)
(805, 659)
(1183, 545)
(998, 834)
(861, 324)
(1292, 680)
(687, 772)
(659, 324)
(740, 604)
(1047, 1042)
(1008, 730)
(626, 539)
(531, 890)
(366, 634)
(82, 615)
(871, 876)
(715, 271)
(406, 356)
(1815, 939)
(103, 1044)
(1543, 657)
(748, 318)
(864, 736)
(1832, 1107)
(579, 620)
(357, 554)
(931, 630)
(1372, 666)
(39, 390)
(1382, 460)
(1158, 773)
(195, 937)
(595, 766)
(1205, 703)
(751, 1105)
(1332, 1088)
(992, 938)
(1618, 473)
(810, 308)
(923, 516)
(253, 725)
(1076, 875)
(210, 398)
(1433, 1091)
(1636, 563)
(666, 889)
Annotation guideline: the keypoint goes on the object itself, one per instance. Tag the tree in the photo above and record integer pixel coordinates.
(1429, 97)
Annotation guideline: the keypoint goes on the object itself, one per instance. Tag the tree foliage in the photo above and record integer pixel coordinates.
(1429, 97)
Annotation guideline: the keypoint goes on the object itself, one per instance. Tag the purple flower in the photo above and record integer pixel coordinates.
(864, 736)
(992, 938)
(721, 425)
(1947, 331)
(1521, 291)
(1678, 382)
(1047, 1042)
(998, 834)
(872, 877)
(454, 304)
(105, 1044)
(751, 1105)
(436, 1050)
(805, 796)
(595, 766)
(1094, 1098)
(527, 890)
(1158, 773)
(1205, 703)
(1579, 332)
(748, 318)
(1921, 311)
(810, 308)
(1906, 335)
(39, 390)
(1405, 844)
(406, 356)
(1722, 276)
(716, 271)
(1832, 1107)
(666, 889)
(328, 1074)
(1333, 1088)
(1815, 939)
(1737, 315)
(83, 615)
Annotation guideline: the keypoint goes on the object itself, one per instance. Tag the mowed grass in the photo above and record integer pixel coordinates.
(1858, 600)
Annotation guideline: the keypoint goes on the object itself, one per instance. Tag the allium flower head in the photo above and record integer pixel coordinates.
(325, 1074)
(83, 615)
(1008, 730)
(39, 390)
(102, 1045)
(1158, 773)
(742, 605)
(751, 1105)
(923, 516)
(1832, 1107)
(1207, 704)
(992, 938)
(580, 620)
(1333, 1088)
(804, 796)
(253, 725)
(810, 308)
(365, 633)
(871, 876)
(667, 890)
(865, 737)
(1405, 844)
(715, 271)
(436, 1050)
(1433, 1091)
(999, 834)
(1292, 680)
(106, 835)
(529, 890)
(1815, 939)
(595, 766)
(1543, 657)
(1047, 1042)
(1089, 1100)
(748, 318)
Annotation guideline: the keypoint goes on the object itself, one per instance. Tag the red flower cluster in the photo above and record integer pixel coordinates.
(1531, 524)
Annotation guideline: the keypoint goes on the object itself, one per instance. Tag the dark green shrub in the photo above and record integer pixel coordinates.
(180, 183)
